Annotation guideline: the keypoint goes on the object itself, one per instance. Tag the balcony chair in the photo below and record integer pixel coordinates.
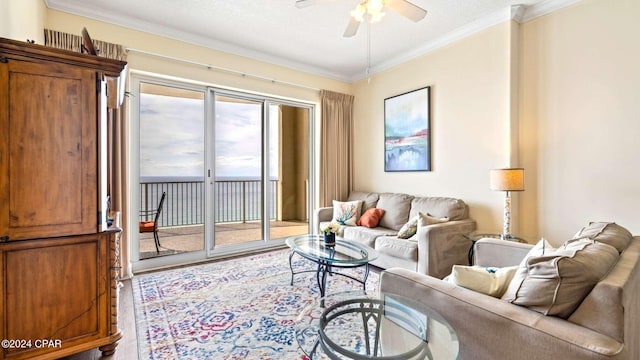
(152, 226)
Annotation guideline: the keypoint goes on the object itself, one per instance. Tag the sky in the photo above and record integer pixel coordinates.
(407, 113)
(172, 138)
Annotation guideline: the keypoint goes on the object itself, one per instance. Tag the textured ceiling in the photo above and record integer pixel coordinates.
(310, 38)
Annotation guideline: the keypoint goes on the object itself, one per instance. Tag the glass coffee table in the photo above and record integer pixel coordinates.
(385, 326)
(343, 254)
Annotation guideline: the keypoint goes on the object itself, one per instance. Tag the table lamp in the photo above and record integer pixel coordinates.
(508, 180)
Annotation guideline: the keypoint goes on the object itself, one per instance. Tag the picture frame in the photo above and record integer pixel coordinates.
(407, 131)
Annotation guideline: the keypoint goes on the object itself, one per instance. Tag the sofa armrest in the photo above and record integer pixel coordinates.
(440, 246)
(499, 253)
(490, 328)
(320, 215)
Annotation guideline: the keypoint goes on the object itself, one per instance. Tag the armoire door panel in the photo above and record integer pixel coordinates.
(51, 117)
(54, 289)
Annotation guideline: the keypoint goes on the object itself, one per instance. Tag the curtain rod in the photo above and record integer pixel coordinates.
(218, 68)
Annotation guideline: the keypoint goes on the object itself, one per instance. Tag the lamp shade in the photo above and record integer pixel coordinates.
(507, 179)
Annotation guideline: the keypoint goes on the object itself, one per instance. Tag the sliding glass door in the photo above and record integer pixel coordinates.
(215, 172)
(261, 170)
(171, 168)
(238, 200)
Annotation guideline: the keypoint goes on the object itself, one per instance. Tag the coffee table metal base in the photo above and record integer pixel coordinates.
(324, 268)
(383, 326)
(367, 310)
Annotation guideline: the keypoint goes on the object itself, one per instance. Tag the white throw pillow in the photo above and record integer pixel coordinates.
(491, 281)
(346, 213)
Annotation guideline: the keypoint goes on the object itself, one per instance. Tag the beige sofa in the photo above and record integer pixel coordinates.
(432, 250)
(604, 326)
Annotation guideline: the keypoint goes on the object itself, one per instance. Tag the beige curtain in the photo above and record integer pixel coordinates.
(119, 179)
(336, 147)
(73, 42)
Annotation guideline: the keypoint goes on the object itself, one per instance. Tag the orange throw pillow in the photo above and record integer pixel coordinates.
(371, 217)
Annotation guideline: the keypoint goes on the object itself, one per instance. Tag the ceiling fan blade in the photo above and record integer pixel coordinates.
(304, 3)
(407, 9)
(352, 27)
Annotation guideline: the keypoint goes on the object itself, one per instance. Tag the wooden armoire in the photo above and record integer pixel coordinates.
(58, 259)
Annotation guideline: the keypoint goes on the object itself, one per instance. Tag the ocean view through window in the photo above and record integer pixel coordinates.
(234, 168)
(172, 153)
(237, 200)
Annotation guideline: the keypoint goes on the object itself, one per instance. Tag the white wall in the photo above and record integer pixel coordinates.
(557, 95)
(57, 20)
(580, 118)
(470, 125)
(22, 20)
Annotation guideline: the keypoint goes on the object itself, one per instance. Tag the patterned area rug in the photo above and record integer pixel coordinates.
(242, 308)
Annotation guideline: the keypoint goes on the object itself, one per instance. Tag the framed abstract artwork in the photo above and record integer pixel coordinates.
(407, 132)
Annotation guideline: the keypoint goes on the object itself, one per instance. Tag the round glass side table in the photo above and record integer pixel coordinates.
(358, 326)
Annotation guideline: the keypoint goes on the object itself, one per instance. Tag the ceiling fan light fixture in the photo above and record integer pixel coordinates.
(359, 11)
(374, 6)
(376, 17)
(370, 8)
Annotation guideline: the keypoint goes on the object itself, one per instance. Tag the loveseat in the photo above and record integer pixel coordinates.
(604, 325)
(434, 247)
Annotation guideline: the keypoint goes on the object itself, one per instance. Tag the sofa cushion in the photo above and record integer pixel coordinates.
(366, 235)
(454, 209)
(608, 233)
(556, 283)
(605, 308)
(346, 213)
(370, 218)
(427, 219)
(411, 227)
(369, 199)
(396, 207)
(490, 281)
(397, 248)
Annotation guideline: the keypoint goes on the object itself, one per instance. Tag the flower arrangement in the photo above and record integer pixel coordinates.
(330, 228)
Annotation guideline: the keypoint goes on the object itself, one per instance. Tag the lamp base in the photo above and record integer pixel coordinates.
(506, 229)
(507, 237)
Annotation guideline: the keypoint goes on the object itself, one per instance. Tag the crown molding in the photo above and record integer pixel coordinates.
(462, 32)
(518, 13)
(545, 8)
(183, 36)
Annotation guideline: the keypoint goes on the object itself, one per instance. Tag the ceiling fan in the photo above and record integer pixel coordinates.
(372, 10)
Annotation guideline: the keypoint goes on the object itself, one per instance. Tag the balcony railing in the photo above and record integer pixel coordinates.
(235, 201)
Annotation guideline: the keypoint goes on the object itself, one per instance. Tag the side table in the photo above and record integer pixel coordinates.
(473, 237)
(382, 326)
